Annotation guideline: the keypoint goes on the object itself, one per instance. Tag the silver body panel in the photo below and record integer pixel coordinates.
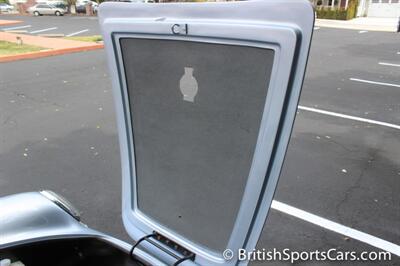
(30, 217)
(263, 24)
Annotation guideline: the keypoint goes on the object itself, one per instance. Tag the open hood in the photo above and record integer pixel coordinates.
(205, 96)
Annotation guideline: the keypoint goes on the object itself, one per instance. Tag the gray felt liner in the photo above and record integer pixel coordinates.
(193, 158)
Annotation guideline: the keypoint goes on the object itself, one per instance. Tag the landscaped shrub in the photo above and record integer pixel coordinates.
(338, 13)
(352, 9)
(328, 13)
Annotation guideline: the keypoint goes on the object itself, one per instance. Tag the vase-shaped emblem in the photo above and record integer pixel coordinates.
(188, 85)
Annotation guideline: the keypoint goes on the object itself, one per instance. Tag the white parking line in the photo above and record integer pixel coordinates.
(362, 31)
(316, 28)
(376, 82)
(17, 28)
(76, 33)
(389, 64)
(337, 228)
(43, 30)
(356, 118)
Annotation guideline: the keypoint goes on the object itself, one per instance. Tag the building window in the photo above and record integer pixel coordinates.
(336, 2)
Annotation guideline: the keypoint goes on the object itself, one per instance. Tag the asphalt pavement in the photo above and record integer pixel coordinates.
(67, 25)
(58, 132)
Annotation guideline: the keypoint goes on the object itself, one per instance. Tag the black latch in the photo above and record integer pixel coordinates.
(161, 242)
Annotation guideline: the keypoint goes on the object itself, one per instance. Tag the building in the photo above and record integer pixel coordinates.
(366, 8)
(379, 8)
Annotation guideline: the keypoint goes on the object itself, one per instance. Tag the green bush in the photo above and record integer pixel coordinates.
(338, 13)
(328, 13)
(352, 9)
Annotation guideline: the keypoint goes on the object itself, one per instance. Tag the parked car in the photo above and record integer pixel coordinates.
(47, 225)
(81, 6)
(139, 1)
(61, 5)
(4, 7)
(45, 9)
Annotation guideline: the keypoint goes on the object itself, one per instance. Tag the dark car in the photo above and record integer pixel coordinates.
(81, 6)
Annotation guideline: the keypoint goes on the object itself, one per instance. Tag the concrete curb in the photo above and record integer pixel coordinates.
(52, 46)
(9, 22)
(355, 25)
(46, 53)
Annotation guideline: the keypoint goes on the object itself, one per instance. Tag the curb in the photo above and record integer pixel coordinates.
(353, 26)
(9, 22)
(46, 53)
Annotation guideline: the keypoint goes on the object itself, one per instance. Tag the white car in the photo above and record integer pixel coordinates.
(44, 9)
(6, 7)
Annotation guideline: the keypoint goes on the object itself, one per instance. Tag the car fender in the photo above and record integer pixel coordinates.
(30, 216)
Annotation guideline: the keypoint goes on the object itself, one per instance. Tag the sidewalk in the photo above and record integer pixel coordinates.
(362, 23)
(53, 46)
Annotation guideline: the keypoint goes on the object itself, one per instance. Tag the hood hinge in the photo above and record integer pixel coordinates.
(168, 246)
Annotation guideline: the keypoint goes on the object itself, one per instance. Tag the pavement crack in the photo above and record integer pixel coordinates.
(7, 119)
(355, 186)
(25, 96)
(343, 146)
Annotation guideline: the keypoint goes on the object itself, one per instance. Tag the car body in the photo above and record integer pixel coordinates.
(4, 7)
(61, 5)
(46, 223)
(46, 9)
(139, 1)
(81, 6)
(181, 147)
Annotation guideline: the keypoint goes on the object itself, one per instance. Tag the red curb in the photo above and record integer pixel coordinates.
(46, 53)
(9, 22)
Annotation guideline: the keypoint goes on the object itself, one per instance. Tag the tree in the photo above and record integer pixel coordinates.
(71, 6)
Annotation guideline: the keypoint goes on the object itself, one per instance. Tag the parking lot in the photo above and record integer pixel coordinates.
(340, 184)
(65, 25)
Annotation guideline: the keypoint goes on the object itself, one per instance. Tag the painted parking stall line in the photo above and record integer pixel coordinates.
(76, 33)
(336, 227)
(388, 64)
(375, 82)
(350, 117)
(43, 30)
(18, 28)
